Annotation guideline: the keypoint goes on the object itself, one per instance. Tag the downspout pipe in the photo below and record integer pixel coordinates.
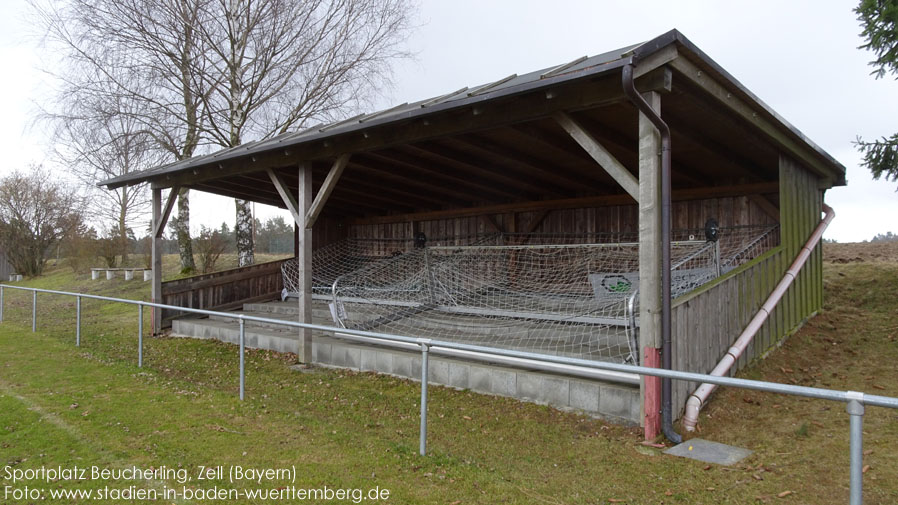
(700, 396)
(644, 107)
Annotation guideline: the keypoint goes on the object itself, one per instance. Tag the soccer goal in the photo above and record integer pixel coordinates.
(573, 295)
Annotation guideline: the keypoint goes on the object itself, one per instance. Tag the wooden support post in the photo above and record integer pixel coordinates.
(598, 152)
(159, 224)
(650, 264)
(160, 217)
(304, 259)
(156, 289)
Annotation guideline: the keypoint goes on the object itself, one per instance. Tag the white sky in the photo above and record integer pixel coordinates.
(800, 57)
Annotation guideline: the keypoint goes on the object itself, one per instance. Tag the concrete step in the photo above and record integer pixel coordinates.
(287, 309)
(316, 319)
(281, 340)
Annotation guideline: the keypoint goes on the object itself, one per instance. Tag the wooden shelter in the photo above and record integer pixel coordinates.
(560, 150)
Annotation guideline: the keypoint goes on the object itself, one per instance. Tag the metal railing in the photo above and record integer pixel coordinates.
(856, 401)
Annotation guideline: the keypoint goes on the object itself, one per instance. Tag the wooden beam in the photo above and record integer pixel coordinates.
(304, 261)
(613, 138)
(159, 225)
(534, 224)
(536, 221)
(650, 265)
(703, 140)
(594, 92)
(348, 193)
(420, 163)
(288, 199)
(767, 206)
(572, 203)
(507, 156)
(446, 160)
(753, 115)
(156, 253)
(326, 189)
(491, 223)
(381, 172)
(384, 199)
(245, 188)
(226, 192)
(650, 228)
(477, 168)
(598, 152)
(650, 65)
(548, 144)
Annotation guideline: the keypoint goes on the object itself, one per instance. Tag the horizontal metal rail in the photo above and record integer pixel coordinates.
(770, 387)
(601, 245)
(856, 401)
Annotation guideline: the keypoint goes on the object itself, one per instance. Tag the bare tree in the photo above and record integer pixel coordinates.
(36, 212)
(145, 52)
(98, 141)
(274, 65)
(210, 245)
(229, 71)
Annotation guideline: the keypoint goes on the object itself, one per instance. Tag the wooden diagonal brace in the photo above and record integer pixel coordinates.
(598, 152)
(286, 196)
(329, 183)
(166, 212)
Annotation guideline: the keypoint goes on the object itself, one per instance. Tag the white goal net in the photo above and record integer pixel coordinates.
(573, 295)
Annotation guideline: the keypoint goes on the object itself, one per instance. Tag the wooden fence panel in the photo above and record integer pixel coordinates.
(225, 290)
(708, 320)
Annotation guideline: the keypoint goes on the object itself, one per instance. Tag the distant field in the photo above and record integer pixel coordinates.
(61, 406)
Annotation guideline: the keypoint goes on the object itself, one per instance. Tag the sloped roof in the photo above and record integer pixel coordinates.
(579, 69)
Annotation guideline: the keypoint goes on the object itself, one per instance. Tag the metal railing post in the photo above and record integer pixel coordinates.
(422, 445)
(77, 321)
(242, 358)
(139, 336)
(855, 409)
(624, 373)
(717, 256)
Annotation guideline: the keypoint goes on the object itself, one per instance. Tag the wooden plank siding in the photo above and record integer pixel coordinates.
(800, 215)
(224, 290)
(707, 321)
(729, 211)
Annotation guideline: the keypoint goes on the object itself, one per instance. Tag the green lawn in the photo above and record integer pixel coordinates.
(91, 406)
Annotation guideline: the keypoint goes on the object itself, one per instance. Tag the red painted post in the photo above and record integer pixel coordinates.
(652, 399)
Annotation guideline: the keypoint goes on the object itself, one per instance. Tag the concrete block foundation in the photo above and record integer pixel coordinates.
(615, 402)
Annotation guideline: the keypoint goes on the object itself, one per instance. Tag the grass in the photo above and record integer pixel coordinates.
(65, 406)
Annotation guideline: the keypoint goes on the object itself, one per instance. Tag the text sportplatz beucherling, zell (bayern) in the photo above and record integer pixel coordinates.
(234, 474)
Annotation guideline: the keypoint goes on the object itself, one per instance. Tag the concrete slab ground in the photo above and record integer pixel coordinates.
(709, 452)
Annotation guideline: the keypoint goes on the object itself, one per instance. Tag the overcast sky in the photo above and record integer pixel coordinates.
(801, 58)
